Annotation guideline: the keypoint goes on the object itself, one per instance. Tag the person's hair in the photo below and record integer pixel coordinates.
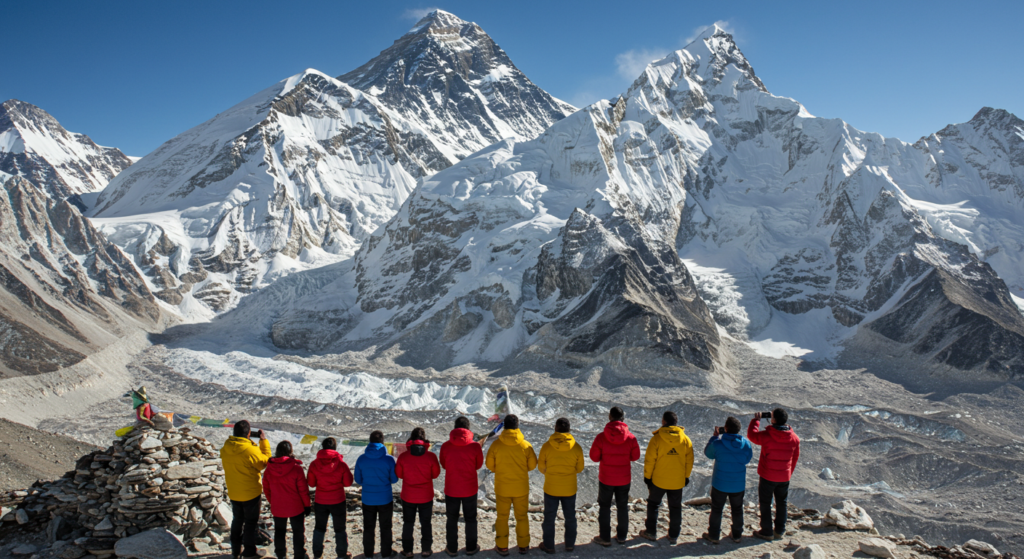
(561, 425)
(242, 428)
(670, 418)
(376, 437)
(284, 448)
(616, 414)
(511, 421)
(462, 422)
(780, 416)
(330, 443)
(732, 425)
(418, 434)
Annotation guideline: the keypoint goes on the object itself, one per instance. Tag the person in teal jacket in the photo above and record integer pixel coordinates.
(731, 453)
(375, 471)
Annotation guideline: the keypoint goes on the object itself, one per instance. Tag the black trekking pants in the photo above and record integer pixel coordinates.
(604, 511)
(718, 499)
(766, 490)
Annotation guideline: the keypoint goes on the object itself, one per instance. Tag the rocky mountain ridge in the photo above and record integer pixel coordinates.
(35, 146)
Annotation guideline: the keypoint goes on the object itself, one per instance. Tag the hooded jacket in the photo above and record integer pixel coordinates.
(511, 458)
(731, 453)
(284, 484)
(669, 458)
(614, 449)
(417, 469)
(375, 471)
(330, 475)
(780, 449)
(243, 461)
(461, 457)
(561, 459)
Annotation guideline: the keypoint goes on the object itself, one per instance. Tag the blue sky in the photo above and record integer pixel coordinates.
(134, 75)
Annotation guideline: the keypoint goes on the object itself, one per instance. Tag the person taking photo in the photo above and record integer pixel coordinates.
(780, 450)
(731, 453)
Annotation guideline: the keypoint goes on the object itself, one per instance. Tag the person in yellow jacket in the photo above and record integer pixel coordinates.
(243, 461)
(511, 458)
(667, 466)
(561, 460)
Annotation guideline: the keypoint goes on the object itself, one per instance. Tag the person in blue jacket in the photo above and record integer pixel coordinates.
(375, 471)
(731, 453)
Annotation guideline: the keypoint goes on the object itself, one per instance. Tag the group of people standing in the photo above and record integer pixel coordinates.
(668, 463)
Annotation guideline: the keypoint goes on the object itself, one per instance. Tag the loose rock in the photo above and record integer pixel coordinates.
(878, 547)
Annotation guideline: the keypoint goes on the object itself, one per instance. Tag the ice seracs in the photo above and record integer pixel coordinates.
(298, 175)
(35, 146)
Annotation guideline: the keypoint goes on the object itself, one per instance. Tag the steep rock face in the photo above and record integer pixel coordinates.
(448, 76)
(300, 174)
(66, 291)
(35, 146)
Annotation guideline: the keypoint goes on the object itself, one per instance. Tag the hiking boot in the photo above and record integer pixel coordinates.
(503, 551)
(541, 547)
(602, 543)
(524, 550)
(643, 534)
(426, 553)
(407, 554)
(450, 552)
(620, 541)
(673, 541)
(779, 535)
(708, 537)
(569, 548)
(763, 536)
(736, 539)
(474, 551)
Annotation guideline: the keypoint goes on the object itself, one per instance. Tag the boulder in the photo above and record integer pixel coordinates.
(813, 551)
(191, 470)
(152, 544)
(878, 547)
(827, 475)
(982, 548)
(224, 514)
(848, 516)
(699, 501)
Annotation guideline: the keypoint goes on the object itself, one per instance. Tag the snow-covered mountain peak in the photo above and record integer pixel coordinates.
(34, 145)
(448, 76)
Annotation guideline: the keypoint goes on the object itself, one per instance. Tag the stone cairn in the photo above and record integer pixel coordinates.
(151, 478)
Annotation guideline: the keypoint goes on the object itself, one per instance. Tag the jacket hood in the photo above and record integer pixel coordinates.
(672, 434)
(733, 441)
(616, 432)
(375, 450)
(237, 444)
(781, 434)
(285, 460)
(461, 437)
(417, 448)
(328, 458)
(562, 441)
(511, 437)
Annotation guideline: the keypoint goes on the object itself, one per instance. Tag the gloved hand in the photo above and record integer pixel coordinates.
(686, 483)
(648, 483)
(307, 511)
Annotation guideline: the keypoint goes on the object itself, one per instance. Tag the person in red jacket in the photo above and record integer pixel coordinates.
(417, 469)
(330, 475)
(461, 458)
(284, 484)
(614, 449)
(780, 449)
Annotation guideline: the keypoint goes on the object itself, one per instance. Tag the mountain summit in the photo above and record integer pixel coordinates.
(35, 146)
(449, 76)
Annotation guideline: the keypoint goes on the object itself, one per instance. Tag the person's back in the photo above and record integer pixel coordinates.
(561, 460)
(780, 450)
(667, 467)
(284, 484)
(511, 458)
(614, 449)
(731, 453)
(375, 471)
(243, 463)
(330, 475)
(417, 469)
(461, 458)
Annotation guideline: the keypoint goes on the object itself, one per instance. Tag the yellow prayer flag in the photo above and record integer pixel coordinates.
(308, 439)
(194, 419)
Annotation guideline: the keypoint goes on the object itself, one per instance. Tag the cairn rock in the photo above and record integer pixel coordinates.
(981, 548)
(813, 551)
(24, 549)
(848, 516)
(191, 470)
(878, 547)
(224, 514)
(152, 544)
(57, 529)
(150, 443)
(21, 515)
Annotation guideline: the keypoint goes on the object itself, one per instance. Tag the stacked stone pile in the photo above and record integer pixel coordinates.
(149, 479)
